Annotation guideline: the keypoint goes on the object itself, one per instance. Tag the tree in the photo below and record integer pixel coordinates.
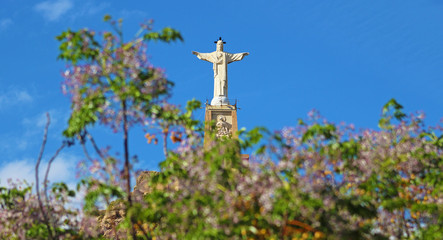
(112, 82)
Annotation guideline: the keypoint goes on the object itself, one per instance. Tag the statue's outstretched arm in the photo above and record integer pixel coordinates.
(203, 56)
(236, 56)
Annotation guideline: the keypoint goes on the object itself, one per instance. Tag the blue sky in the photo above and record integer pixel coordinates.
(343, 58)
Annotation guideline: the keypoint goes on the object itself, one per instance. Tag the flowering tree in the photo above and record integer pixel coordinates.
(112, 82)
(317, 180)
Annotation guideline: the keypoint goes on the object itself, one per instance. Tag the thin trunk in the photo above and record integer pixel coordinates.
(127, 173)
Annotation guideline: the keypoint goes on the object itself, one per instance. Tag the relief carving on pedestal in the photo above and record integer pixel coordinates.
(223, 128)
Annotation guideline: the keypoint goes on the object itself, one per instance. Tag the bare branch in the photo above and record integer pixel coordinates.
(45, 181)
(86, 151)
(165, 142)
(37, 184)
(95, 145)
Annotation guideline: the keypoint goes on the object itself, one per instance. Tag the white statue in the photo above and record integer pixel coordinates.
(220, 62)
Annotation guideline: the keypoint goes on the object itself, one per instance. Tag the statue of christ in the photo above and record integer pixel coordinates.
(220, 62)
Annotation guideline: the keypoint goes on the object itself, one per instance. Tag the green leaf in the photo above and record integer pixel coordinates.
(166, 35)
(107, 17)
(327, 130)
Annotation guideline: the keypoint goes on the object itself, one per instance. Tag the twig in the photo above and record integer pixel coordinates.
(45, 181)
(39, 159)
(165, 142)
(95, 145)
(86, 151)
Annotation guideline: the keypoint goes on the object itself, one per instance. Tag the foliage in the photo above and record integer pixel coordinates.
(112, 79)
(317, 180)
(20, 216)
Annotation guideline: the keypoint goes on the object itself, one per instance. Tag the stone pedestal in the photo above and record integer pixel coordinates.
(225, 119)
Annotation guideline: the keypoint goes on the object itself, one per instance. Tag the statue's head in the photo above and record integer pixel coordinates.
(220, 45)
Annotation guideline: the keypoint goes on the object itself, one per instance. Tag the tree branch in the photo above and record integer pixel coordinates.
(165, 141)
(39, 159)
(45, 181)
(95, 145)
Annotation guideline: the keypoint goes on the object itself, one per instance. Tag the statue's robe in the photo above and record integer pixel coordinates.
(220, 62)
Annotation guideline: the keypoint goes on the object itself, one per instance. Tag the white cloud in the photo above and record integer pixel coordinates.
(14, 97)
(23, 96)
(33, 129)
(22, 170)
(5, 23)
(131, 13)
(53, 10)
(29, 136)
(62, 169)
(89, 8)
